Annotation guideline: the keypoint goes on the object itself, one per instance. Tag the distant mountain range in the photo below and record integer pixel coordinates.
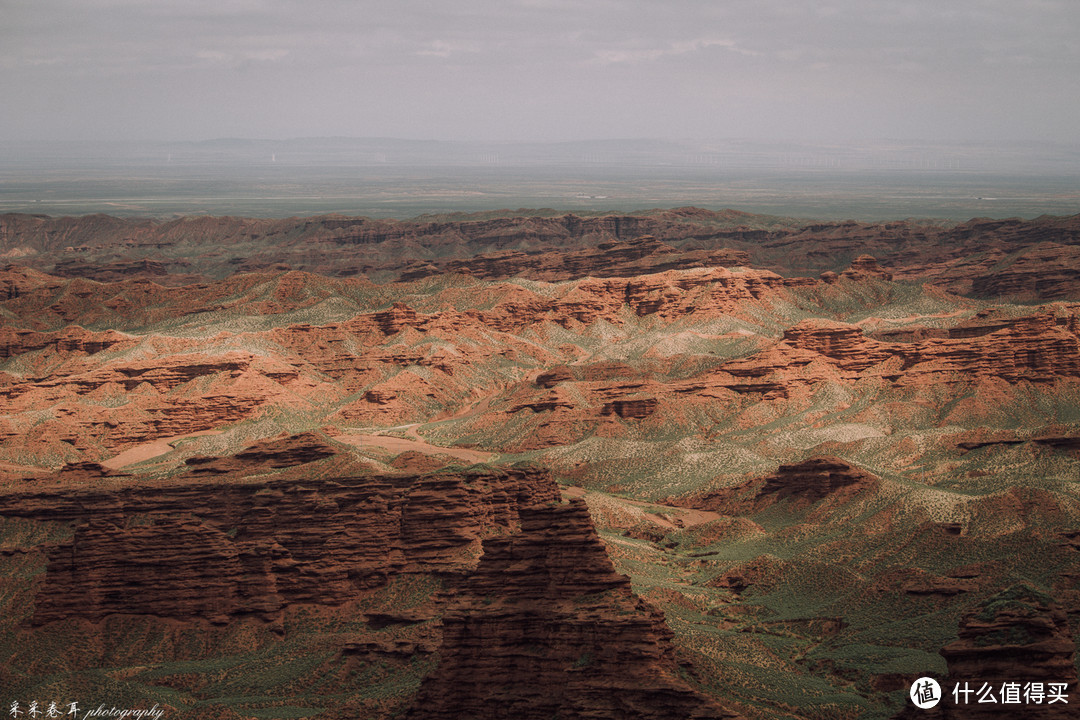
(744, 154)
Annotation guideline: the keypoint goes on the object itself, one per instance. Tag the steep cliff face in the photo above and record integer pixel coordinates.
(1019, 636)
(624, 258)
(804, 483)
(1032, 348)
(546, 628)
(72, 339)
(846, 345)
(637, 408)
(1048, 270)
(195, 548)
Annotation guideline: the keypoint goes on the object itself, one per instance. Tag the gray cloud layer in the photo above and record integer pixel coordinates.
(827, 71)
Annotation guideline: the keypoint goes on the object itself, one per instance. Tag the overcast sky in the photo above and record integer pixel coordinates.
(545, 70)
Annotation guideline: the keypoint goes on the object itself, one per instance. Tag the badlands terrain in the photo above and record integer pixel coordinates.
(674, 464)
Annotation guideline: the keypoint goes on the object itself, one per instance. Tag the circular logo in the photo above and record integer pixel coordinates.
(925, 693)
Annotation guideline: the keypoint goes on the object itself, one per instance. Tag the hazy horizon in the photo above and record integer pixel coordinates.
(844, 71)
(859, 108)
(398, 178)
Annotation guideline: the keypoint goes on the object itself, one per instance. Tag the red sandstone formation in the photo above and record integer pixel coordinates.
(804, 483)
(282, 452)
(1057, 437)
(349, 246)
(172, 386)
(42, 302)
(72, 339)
(523, 365)
(1029, 257)
(909, 334)
(162, 397)
(762, 573)
(636, 408)
(1019, 633)
(1047, 270)
(981, 323)
(545, 628)
(111, 271)
(865, 267)
(191, 548)
(87, 472)
(16, 281)
(628, 258)
(1032, 348)
(398, 317)
(397, 364)
(1017, 636)
(846, 345)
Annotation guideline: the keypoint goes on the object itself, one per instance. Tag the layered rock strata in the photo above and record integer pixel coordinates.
(803, 483)
(865, 267)
(624, 258)
(545, 628)
(1029, 257)
(1019, 638)
(1033, 348)
(196, 548)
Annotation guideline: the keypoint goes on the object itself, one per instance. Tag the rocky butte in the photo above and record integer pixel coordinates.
(545, 627)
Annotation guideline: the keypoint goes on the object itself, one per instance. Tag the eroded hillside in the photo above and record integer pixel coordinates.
(285, 494)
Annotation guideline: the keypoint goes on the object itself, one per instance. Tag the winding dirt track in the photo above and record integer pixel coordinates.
(152, 449)
(399, 445)
(687, 516)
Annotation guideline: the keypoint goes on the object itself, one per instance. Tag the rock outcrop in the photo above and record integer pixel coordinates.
(1031, 257)
(803, 483)
(195, 548)
(108, 272)
(865, 267)
(1018, 634)
(545, 628)
(1018, 637)
(1032, 348)
(625, 258)
(636, 408)
(272, 454)
(72, 339)
(846, 345)
(1045, 271)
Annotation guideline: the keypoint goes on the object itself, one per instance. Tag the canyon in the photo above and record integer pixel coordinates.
(661, 465)
(988, 257)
